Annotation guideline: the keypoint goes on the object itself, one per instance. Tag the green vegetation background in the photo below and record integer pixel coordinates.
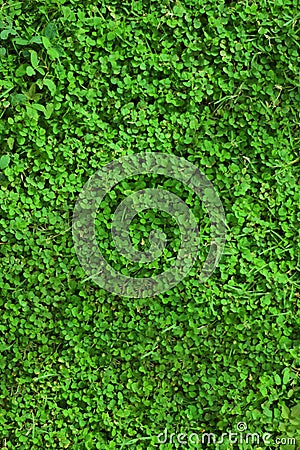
(83, 83)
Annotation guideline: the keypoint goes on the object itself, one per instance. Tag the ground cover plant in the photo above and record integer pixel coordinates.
(82, 84)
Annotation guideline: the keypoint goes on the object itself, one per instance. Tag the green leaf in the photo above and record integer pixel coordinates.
(285, 412)
(49, 110)
(5, 33)
(21, 70)
(288, 447)
(4, 161)
(17, 99)
(197, 23)
(34, 58)
(50, 31)
(10, 142)
(20, 41)
(295, 411)
(50, 85)
(286, 375)
(36, 40)
(31, 92)
(179, 10)
(32, 112)
(277, 379)
(47, 44)
(110, 35)
(53, 52)
(38, 107)
(30, 71)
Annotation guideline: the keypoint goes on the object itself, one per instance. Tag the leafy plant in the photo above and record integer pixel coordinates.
(82, 84)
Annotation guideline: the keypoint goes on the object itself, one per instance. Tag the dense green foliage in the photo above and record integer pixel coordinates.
(82, 84)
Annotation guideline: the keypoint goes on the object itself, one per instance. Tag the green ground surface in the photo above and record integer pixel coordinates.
(82, 84)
